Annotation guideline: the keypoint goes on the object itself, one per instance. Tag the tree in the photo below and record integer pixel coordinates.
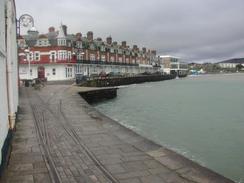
(239, 67)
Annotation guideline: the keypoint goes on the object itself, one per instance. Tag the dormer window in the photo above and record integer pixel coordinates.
(42, 42)
(120, 51)
(92, 47)
(61, 42)
(102, 48)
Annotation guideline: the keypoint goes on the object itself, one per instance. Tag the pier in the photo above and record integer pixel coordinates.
(61, 138)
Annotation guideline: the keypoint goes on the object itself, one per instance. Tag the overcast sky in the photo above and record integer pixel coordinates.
(195, 30)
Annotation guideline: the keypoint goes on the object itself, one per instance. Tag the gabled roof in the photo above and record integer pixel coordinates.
(61, 32)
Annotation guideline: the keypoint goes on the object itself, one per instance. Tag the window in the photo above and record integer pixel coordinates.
(30, 72)
(92, 47)
(54, 71)
(68, 72)
(112, 59)
(92, 57)
(37, 56)
(102, 48)
(52, 56)
(120, 51)
(80, 56)
(69, 55)
(78, 44)
(103, 58)
(30, 56)
(62, 55)
(62, 42)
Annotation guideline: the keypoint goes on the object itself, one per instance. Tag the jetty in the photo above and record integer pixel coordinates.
(61, 138)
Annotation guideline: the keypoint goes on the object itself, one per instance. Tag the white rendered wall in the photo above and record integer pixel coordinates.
(60, 72)
(4, 126)
(12, 66)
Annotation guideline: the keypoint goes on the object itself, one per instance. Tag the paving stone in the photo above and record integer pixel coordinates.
(133, 180)
(115, 168)
(41, 178)
(152, 179)
(134, 165)
(132, 174)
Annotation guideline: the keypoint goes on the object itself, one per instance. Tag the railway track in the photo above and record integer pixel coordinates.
(43, 137)
(41, 126)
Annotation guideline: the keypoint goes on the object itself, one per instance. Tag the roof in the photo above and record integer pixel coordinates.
(168, 56)
(42, 36)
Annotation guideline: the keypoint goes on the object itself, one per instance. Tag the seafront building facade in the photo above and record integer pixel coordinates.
(8, 77)
(231, 64)
(173, 64)
(58, 55)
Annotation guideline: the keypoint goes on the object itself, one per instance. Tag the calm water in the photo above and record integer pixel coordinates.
(199, 117)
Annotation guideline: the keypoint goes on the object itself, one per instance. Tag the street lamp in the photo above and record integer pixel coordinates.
(27, 52)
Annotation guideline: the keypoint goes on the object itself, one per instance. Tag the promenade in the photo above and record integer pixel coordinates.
(61, 138)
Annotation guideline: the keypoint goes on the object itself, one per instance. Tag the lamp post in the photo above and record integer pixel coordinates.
(27, 51)
(25, 21)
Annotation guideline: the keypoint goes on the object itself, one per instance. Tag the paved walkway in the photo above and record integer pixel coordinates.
(60, 138)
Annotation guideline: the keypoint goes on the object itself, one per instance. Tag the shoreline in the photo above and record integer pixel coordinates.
(171, 159)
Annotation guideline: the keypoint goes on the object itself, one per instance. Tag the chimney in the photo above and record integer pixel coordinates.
(109, 40)
(51, 29)
(154, 52)
(64, 27)
(90, 35)
(78, 36)
(144, 50)
(124, 44)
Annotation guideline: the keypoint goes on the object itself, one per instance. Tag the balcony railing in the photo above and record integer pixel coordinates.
(96, 62)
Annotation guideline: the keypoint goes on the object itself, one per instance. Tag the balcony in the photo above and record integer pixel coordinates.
(96, 62)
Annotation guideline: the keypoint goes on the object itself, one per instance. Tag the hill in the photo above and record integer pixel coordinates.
(234, 60)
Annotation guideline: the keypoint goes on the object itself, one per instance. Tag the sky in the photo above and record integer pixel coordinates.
(194, 30)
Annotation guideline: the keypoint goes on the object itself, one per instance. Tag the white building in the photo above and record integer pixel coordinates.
(173, 64)
(46, 56)
(8, 76)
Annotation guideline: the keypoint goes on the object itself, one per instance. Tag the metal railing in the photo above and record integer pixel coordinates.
(97, 62)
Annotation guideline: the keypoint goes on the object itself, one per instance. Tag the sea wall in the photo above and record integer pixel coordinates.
(117, 81)
(99, 94)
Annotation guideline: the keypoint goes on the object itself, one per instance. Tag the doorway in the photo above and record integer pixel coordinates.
(41, 72)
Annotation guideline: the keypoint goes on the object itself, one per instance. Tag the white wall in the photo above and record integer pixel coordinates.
(3, 87)
(12, 64)
(8, 69)
(60, 71)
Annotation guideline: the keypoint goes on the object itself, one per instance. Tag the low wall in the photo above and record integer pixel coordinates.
(98, 95)
(105, 82)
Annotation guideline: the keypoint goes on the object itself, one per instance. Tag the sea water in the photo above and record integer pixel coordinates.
(200, 117)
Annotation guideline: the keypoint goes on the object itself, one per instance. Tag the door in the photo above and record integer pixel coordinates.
(41, 72)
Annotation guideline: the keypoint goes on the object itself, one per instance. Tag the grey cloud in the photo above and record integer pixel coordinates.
(196, 30)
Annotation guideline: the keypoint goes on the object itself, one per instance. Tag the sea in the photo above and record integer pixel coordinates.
(200, 117)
